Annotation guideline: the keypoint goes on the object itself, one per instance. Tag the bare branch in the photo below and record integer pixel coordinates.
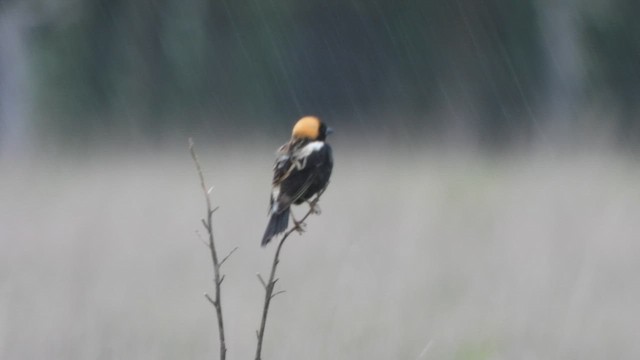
(192, 149)
(201, 239)
(206, 223)
(213, 302)
(264, 285)
(278, 293)
(229, 254)
(269, 286)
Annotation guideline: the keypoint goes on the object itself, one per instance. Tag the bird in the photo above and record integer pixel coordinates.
(302, 169)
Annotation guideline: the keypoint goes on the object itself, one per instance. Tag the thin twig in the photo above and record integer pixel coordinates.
(202, 239)
(218, 278)
(228, 255)
(210, 299)
(264, 284)
(270, 285)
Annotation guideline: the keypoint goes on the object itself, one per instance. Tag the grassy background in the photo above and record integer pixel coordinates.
(430, 254)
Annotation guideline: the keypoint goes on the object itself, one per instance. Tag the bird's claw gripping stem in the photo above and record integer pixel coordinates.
(298, 225)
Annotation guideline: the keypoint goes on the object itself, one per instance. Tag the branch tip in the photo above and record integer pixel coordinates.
(214, 257)
(228, 255)
(264, 284)
(213, 302)
(202, 239)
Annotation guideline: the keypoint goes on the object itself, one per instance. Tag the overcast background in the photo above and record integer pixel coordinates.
(484, 202)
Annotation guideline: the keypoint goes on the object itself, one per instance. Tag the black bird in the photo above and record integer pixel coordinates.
(302, 169)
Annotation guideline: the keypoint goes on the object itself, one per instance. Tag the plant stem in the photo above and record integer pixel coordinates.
(269, 286)
(216, 302)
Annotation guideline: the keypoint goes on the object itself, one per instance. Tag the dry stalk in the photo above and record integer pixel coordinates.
(269, 286)
(218, 278)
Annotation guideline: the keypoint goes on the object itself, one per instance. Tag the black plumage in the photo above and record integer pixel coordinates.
(302, 169)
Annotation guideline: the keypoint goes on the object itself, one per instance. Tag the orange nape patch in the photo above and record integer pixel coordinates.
(307, 127)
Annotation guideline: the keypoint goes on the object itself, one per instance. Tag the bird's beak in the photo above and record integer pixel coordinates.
(329, 131)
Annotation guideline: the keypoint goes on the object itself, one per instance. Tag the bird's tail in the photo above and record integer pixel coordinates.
(278, 223)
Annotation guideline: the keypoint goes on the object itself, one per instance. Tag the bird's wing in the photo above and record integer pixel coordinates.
(286, 160)
(302, 171)
(303, 188)
(282, 168)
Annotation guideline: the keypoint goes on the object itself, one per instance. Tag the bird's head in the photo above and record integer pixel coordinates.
(310, 127)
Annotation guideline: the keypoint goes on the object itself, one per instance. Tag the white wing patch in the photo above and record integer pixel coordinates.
(309, 148)
(274, 195)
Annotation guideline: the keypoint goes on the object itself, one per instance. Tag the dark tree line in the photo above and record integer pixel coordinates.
(153, 65)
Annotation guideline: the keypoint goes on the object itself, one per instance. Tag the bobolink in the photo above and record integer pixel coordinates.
(302, 169)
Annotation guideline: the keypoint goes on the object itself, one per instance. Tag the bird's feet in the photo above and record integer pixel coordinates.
(314, 207)
(298, 226)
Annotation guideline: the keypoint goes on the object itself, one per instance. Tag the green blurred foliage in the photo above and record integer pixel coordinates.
(613, 44)
(148, 66)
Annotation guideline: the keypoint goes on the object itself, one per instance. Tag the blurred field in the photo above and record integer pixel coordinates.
(417, 255)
